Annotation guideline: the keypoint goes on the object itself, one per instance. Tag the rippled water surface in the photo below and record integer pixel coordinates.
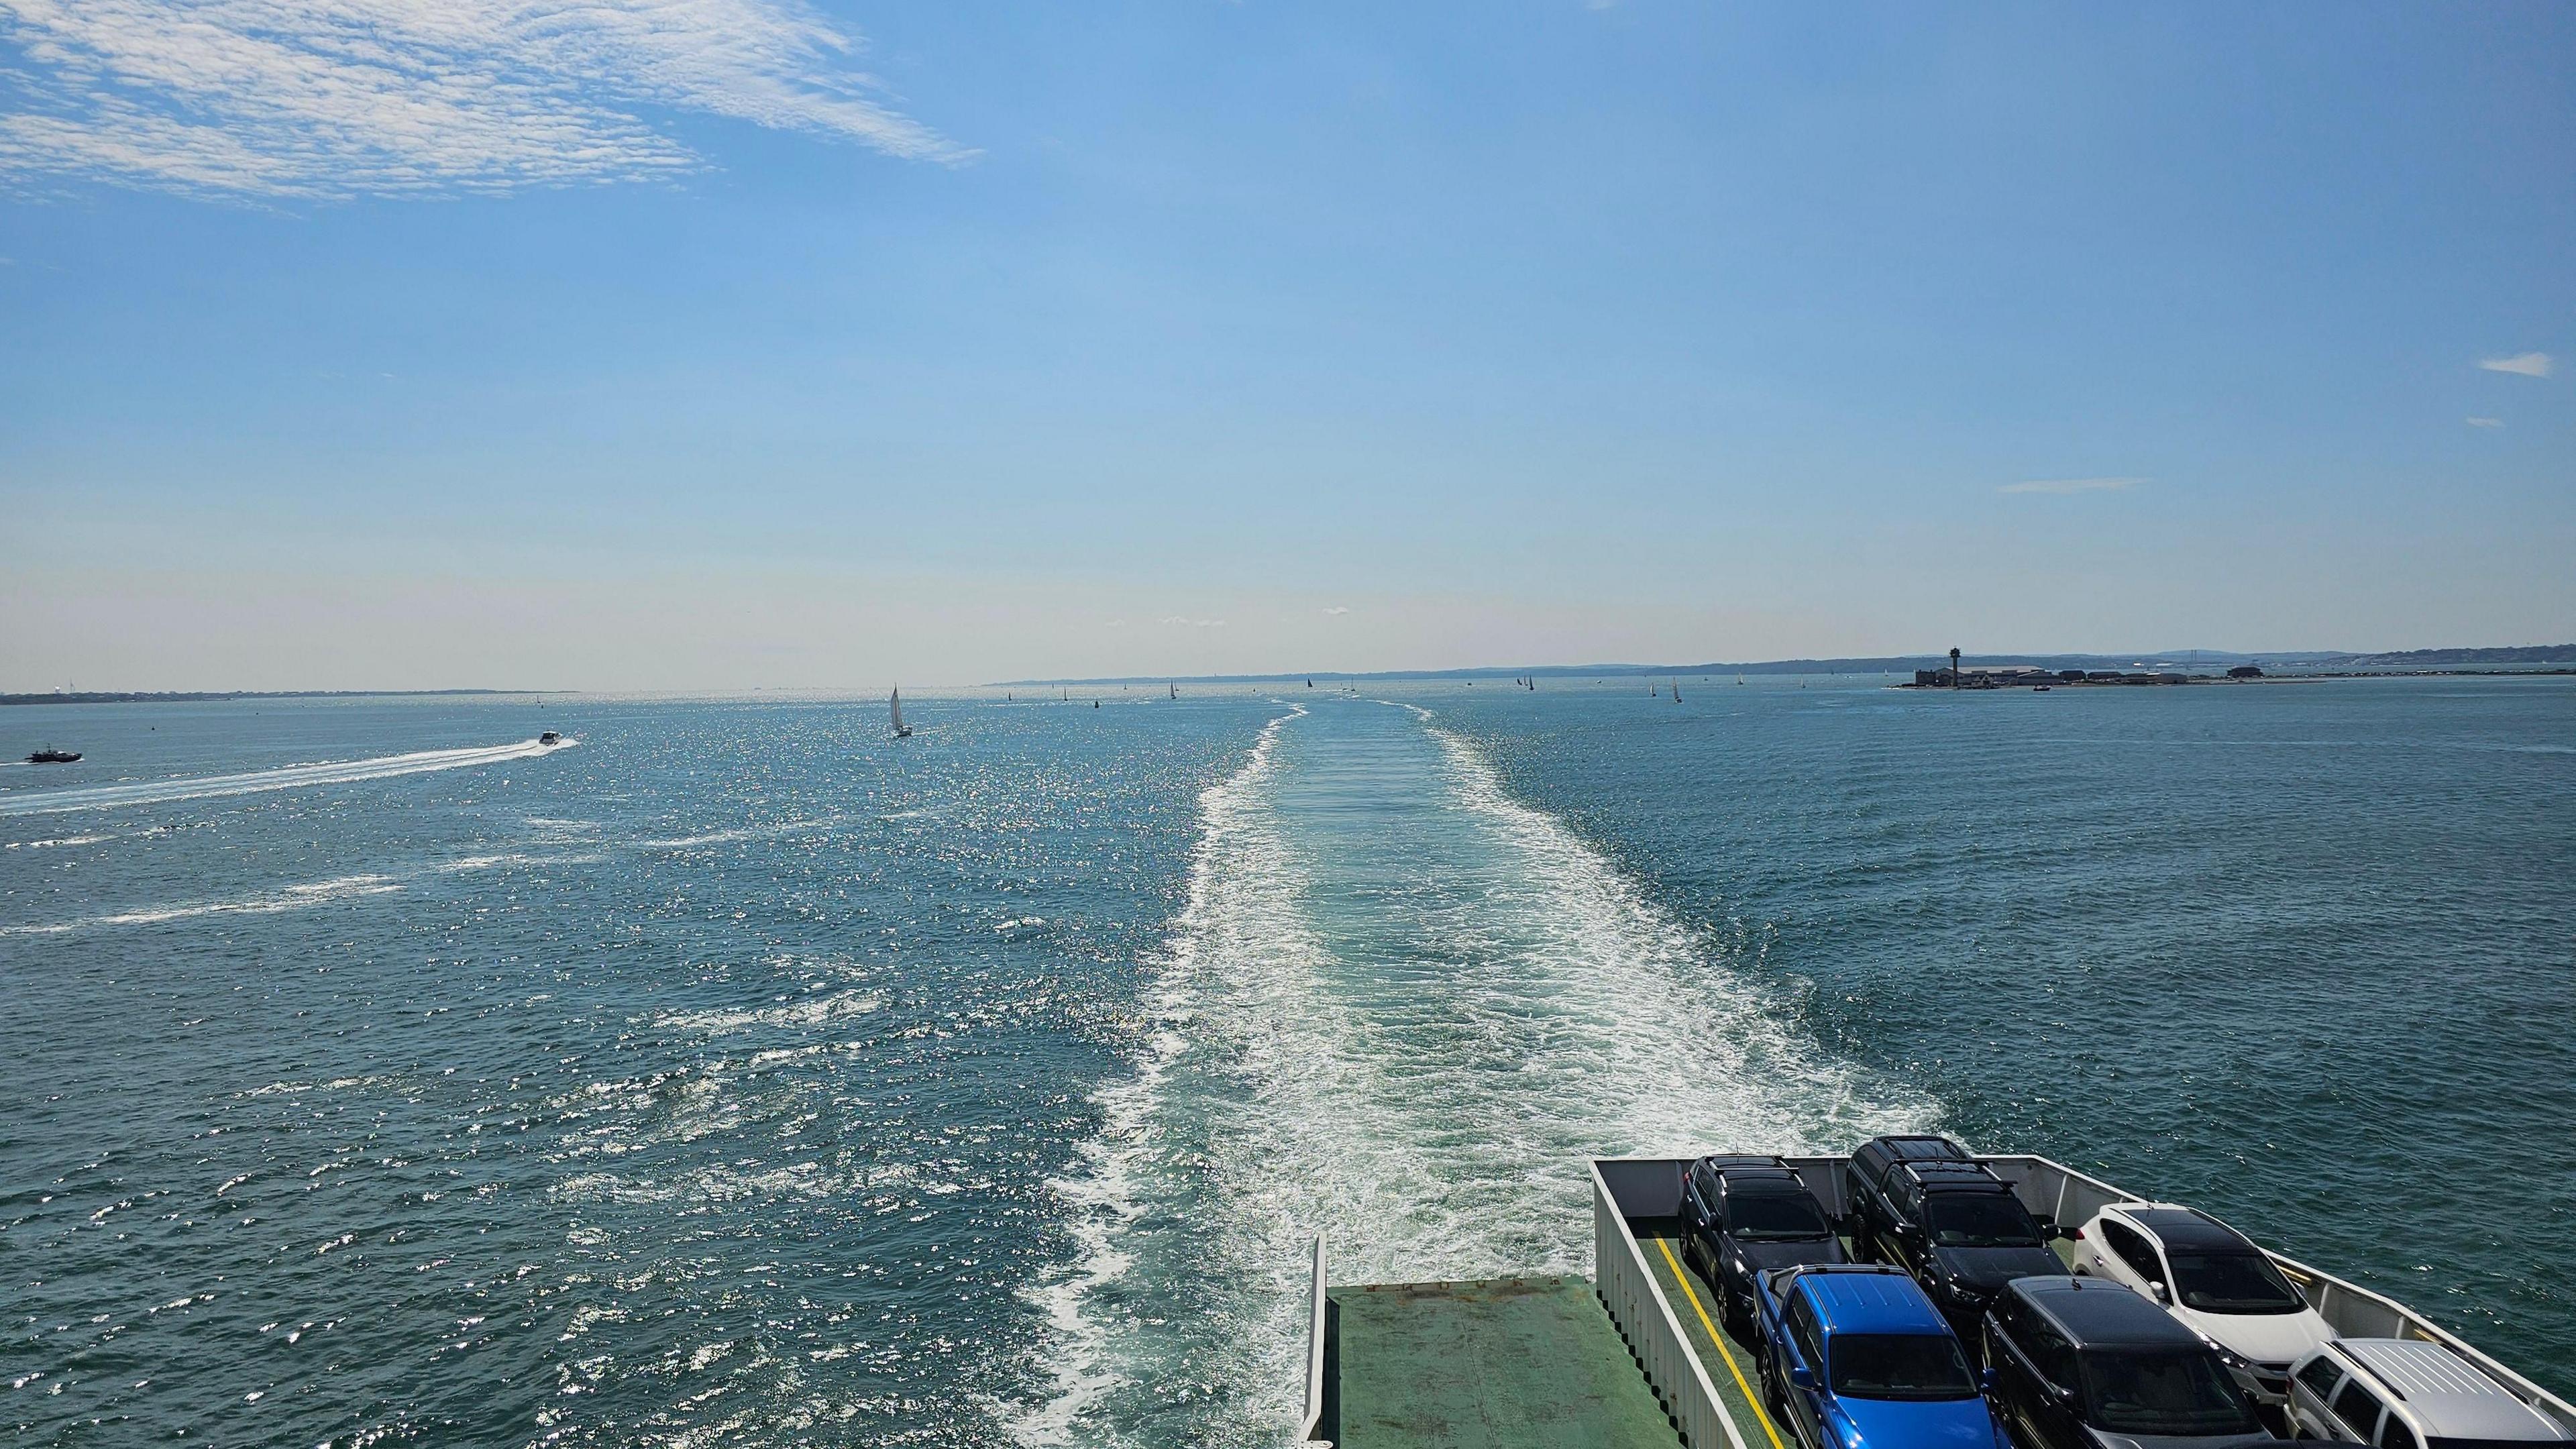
(735, 1075)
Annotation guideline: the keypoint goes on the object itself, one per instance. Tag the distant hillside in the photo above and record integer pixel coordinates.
(2446, 658)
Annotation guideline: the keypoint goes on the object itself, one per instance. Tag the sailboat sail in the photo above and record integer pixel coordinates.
(900, 728)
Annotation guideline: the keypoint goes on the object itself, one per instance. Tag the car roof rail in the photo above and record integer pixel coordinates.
(1931, 1170)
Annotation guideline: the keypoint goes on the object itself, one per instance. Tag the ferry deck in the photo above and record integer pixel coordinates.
(1634, 1357)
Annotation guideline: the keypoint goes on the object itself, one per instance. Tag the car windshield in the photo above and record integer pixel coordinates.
(1780, 1216)
(1900, 1366)
(2128, 1392)
(2233, 1283)
(1979, 1220)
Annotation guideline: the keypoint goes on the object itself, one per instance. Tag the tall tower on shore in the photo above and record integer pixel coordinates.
(1954, 668)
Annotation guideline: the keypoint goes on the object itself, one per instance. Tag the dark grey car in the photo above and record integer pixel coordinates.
(1747, 1215)
(2080, 1363)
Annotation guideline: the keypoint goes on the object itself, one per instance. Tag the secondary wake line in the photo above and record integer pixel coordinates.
(288, 777)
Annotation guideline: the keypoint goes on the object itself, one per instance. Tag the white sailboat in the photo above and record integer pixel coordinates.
(902, 731)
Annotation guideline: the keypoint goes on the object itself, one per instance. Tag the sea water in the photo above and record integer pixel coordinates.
(735, 1074)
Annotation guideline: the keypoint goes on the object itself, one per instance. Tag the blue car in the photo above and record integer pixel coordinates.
(1854, 1356)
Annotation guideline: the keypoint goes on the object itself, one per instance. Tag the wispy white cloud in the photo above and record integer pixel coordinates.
(2071, 485)
(2486, 422)
(1337, 610)
(2528, 364)
(1193, 623)
(345, 97)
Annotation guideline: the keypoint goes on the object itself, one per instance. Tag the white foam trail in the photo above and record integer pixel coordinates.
(1104, 1196)
(1404, 1033)
(293, 898)
(288, 777)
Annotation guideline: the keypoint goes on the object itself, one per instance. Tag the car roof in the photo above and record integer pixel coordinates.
(1869, 1298)
(1941, 1174)
(2098, 1313)
(2454, 1399)
(2184, 1227)
(1904, 1148)
(1736, 1171)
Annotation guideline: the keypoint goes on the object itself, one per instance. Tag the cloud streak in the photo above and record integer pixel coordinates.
(2070, 485)
(2525, 364)
(326, 98)
(1177, 620)
(2486, 422)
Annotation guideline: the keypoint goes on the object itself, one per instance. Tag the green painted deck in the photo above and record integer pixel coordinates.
(1530, 1362)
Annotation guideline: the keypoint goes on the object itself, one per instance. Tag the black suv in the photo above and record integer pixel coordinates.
(1922, 1203)
(1742, 1215)
(2082, 1363)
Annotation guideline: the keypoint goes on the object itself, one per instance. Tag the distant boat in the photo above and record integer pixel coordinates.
(51, 756)
(1739, 679)
(1677, 691)
(902, 731)
(550, 738)
(1174, 688)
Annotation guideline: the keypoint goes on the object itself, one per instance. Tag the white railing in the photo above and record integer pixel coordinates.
(1650, 1187)
(1315, 1322)
(1645, 1317)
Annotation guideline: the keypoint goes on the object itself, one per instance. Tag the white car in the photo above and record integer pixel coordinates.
(2215, 1280)
(2402, 1393)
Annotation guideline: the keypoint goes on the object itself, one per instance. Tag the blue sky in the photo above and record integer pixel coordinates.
(721, 343)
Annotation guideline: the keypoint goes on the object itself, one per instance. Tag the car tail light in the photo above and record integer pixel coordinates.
(2079, 1235)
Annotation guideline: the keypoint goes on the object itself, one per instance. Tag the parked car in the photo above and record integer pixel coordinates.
(1743, 1215)
(2083, 1364)
(2214, 1280)
(1854, 1355)
(2405, 1394)
(1947, 1220)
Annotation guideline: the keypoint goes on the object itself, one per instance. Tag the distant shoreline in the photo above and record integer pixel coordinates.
(221, 695)
(2298, 663)
(2137, 681)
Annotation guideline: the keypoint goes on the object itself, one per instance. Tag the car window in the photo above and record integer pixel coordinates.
(2133, 1250)
(1704, 1178)
(1900, 1366)
(2358, 1410)
(1865, 1164)
(1802, 1331)
(2233, 1283)
(2320, 1375)
(2053, 1355)
(2395, 1434)
(1774, 1216)
(2128, 1391)
(1979, 1220)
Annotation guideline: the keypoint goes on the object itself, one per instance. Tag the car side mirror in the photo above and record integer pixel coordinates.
(1802, 1377)
(2164, 1295)
(2060, 1233)
(2061, 1393)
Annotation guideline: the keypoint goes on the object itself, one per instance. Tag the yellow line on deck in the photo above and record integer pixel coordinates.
(1683, 1276)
